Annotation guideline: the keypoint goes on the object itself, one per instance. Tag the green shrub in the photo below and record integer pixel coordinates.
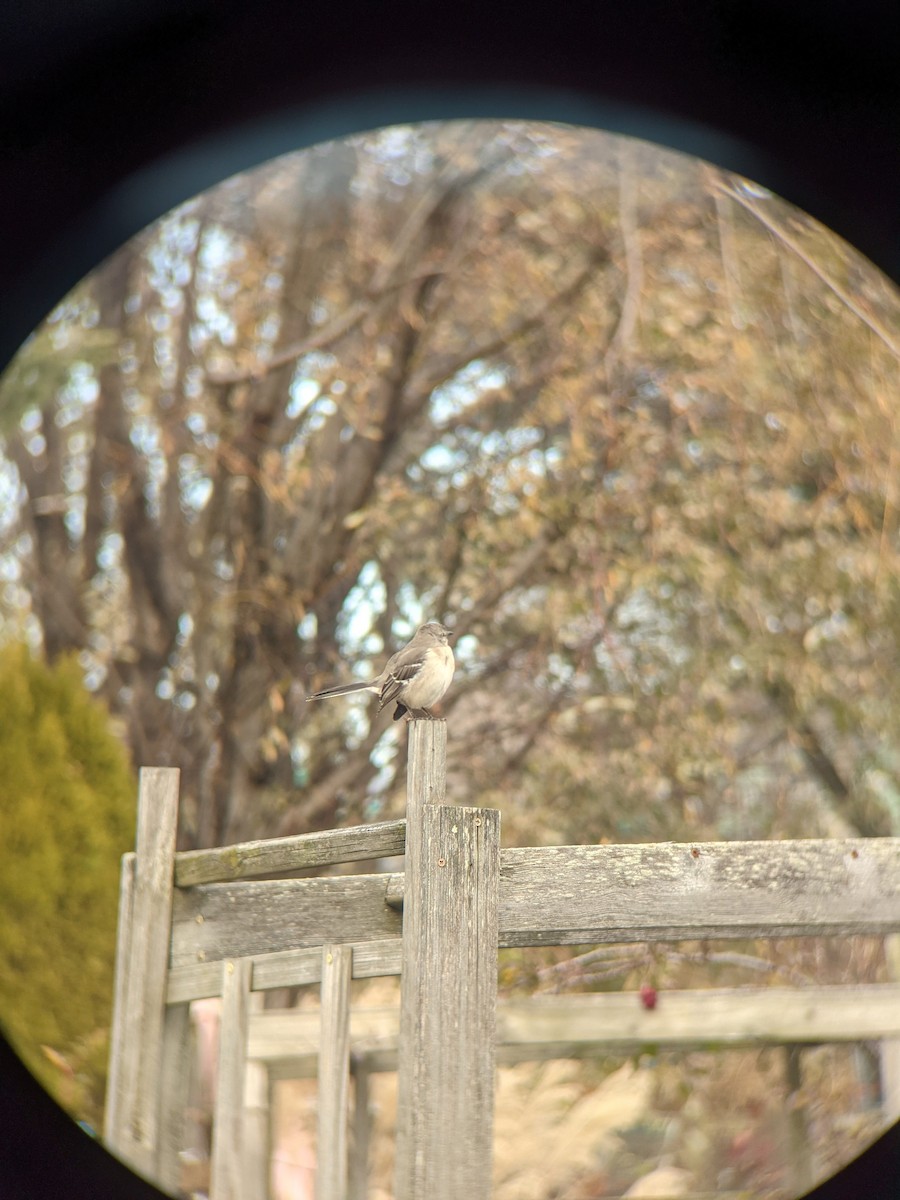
(66, 816)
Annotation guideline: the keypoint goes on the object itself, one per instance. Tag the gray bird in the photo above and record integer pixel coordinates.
(416, 676)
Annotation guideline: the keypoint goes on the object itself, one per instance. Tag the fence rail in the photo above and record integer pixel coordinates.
(203, 923)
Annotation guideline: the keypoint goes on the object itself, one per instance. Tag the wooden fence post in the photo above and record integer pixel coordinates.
(362, 1130)
(228, 1162)
(448, 986)
(138, 1058)
(112, 1116)
(334, 1073)
(257, 1121)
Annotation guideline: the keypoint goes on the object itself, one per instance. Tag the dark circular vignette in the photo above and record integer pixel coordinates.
(112, 112)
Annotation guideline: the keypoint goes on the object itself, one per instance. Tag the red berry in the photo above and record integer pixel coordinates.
(648, 996)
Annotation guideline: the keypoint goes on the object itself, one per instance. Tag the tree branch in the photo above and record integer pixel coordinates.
(779, 232)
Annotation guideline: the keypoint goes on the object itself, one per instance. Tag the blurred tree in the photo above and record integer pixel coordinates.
(65, 819)
(626, 422)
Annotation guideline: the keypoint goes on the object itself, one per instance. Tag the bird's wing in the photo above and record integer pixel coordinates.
(397, 675)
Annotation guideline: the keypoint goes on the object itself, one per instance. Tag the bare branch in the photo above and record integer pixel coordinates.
(778, 231)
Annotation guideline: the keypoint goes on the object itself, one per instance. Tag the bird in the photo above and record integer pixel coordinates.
(416, 676)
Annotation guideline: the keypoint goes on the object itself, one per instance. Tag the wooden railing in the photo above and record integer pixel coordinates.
(203, 923)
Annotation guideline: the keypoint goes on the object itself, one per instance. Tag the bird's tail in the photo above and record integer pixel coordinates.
(340, 689)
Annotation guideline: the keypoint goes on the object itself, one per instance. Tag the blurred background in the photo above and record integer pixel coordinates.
(625, 421)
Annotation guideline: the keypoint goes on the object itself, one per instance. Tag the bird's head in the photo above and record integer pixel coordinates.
(436, 630)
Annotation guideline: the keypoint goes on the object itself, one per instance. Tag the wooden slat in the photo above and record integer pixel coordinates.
(361, 1133)
(720, 1017)
(141, 1052)
(115, 1082)
(174, 1086)
(575, 895)
(227, 1168)
(199, 981)
(541, 1027)
(448, 997)
(233, 920)
(334, 1074)
(679, 891)
(425, 784)
(374, 959)
(287, 968)
(257, 1121)
(274, 856)
(889, 1051)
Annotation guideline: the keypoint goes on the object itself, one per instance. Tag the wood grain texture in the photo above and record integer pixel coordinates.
(174, 1088)
(284, 968)
(233, 920)
(258, 1119)
(670, 891)
(543, 1027)
(141, 1050)
(274, 856)
(448, 998)
(227, 1167)
(334, 1074)
(361, 1133)
(115, 1081)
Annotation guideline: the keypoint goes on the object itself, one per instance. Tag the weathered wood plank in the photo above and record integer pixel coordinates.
(115, 1082)
(233, 920)
(801, 1167)
(721, 1016)
(227, 1166)
(174, 1086)
(257, 1123)
(448, 998)
(274, 856)
(334, 1074)
(141, 1051)
(425, 783)
(361, 1133)
(890, 1050)
(199, 981)
(671, 891)
(572, 895)
(541, 1027)
(286, 968)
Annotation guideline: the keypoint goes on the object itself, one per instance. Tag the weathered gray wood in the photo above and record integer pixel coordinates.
(280, 1032)
(448, 997)
(287, 968)
(374, 959)
(234, 920)
(141, 1050)
(227, 1168)
(575, 895)
(889, 1056)
(671, 891)
(425, 783)
(199, 981)
(257, 1121)
(426, 772)
(800, 1159)
(278, 855)
(715, 1017)
(361, 1132)
(287, 1040)
(334, 1073)
(174, 1086)
(115, 1082)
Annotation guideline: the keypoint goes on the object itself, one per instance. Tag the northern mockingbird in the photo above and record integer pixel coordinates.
(416, 676)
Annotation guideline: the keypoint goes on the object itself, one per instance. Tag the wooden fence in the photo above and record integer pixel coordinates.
(203, 923)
